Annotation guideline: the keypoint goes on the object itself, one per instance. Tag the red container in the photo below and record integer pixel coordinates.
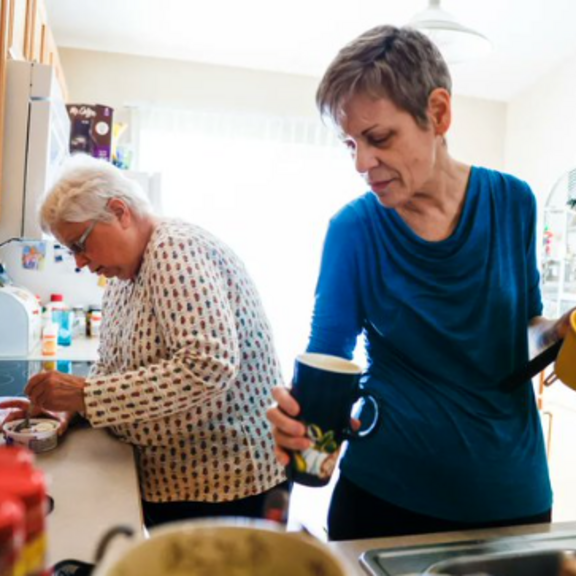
(29, 487)
(12, 535)
(15, 457)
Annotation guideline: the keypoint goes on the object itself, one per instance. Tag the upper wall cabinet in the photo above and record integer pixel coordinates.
(18, 14)
(25, 35)
(29, 37)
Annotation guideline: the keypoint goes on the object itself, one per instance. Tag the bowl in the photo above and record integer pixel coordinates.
(41, 436)
(231, 547)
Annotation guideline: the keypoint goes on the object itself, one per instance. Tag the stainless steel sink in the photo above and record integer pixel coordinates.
(533, 555)
(545, 563)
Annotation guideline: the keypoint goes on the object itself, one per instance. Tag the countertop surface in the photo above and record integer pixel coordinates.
(82, 348)
(92, 479)
(352, 549)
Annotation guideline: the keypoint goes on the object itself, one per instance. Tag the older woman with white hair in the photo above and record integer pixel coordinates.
(186, 359)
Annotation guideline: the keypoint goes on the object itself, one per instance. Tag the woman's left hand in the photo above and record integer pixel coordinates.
(18, 408)
(56, 391)
(562, 325)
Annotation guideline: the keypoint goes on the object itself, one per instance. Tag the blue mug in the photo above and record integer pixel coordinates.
(326, 387)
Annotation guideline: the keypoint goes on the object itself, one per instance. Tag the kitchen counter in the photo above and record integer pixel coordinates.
(352, 549)
(82, 348)
(92, 479)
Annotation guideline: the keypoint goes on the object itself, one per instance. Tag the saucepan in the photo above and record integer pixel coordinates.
(232, 546)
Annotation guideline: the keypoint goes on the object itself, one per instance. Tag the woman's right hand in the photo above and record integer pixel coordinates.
(289, 434)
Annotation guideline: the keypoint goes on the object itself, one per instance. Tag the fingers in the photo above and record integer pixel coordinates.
(37, 383)
(286, 402)
(20, 403)
(56, 391)
(282, 456)
(11, 416)
(289, 433)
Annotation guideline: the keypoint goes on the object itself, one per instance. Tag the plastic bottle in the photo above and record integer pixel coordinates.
(62, 315)
(66, 326)
(50, 339)
(95, 322)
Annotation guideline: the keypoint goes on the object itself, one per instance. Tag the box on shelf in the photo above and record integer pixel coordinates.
(91, 129)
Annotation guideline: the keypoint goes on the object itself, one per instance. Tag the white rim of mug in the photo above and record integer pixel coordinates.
(329, 363)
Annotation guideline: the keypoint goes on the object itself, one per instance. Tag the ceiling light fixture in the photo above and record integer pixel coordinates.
(457, 43)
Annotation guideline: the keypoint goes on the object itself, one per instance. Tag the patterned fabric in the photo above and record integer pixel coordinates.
(186, 366)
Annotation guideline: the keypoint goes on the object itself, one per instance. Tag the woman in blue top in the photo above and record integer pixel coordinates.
(436, 265)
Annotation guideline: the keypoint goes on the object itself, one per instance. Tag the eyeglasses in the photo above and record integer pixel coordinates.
(79, 247)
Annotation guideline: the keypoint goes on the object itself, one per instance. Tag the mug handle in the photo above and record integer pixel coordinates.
(350, 434)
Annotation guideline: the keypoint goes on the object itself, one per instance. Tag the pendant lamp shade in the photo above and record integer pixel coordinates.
(457, 43)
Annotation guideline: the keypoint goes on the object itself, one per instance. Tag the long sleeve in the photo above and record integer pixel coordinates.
(186, 294)
(337, 318)
(187, 363)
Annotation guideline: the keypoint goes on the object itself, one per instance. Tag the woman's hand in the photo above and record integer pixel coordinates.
(562, 325)
(56, 391)
(289, 434)
(17, 409)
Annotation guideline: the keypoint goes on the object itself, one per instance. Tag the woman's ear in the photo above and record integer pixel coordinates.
(440, 110)
(121, 210)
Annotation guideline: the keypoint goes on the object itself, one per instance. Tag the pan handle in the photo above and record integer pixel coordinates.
(532, 368)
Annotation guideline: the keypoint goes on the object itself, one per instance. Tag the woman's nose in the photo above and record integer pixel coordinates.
(364, 158)
(81, 260)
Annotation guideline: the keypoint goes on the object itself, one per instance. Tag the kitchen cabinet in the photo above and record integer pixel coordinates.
(25, 35)
(18, 15)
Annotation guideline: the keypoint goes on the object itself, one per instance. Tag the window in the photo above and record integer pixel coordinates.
(265, 185)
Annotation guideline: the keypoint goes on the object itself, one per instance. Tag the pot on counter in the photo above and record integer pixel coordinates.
(233, 546)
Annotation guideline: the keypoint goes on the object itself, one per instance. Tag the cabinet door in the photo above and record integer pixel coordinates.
(4, 21)
(37, 21)
(18, 29)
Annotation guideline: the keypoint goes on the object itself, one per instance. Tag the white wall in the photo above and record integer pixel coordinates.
(541, 131)
(477, 134)
(77, 287)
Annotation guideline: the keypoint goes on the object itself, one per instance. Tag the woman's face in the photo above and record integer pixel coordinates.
(395, 155)
(109, 249)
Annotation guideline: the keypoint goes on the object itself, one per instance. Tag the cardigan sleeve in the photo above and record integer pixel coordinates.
(190, 302)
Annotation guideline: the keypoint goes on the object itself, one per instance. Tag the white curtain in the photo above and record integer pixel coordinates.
(265, 185)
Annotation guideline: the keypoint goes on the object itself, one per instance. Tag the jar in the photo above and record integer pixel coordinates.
(95, 322)
(12, 536)
(29, 487)
(50, 339)
(61, 315)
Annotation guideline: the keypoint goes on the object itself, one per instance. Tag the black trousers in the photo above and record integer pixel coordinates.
(156, 513)
(355, 513)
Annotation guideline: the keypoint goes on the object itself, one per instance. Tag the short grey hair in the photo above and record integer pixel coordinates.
(400, 64)
(83, 189)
